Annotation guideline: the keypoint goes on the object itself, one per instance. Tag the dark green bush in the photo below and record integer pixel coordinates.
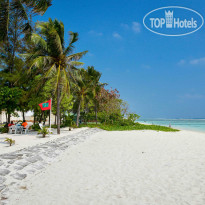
(68, 120)
(45, 131)
(35, 127)
(4, 130)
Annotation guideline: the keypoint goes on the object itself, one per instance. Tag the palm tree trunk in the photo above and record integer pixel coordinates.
(23, 114)
(96, 114)
(78, 114)
(9, 117)
(6, 117)
(34, 117)
(86, 112)
(58, 109)
(41, 116)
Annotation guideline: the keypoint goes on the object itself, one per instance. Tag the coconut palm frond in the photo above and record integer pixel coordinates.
(49, 70)
(37, 62)
(39, 6)
(76, 56)
(19, 9)
(39, 41)
(59, 27)
(76, 63)
(73, 39)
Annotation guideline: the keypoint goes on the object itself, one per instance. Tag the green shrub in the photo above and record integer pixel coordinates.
(10, 141)
(54, 126)
(44, 131)
(132, 117)
(35, 127)
(4, 130)
(135, 126)
(68, 120)
(74, 125)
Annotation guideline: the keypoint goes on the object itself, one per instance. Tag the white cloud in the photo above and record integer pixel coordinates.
(199, 61)
(145, 66)
(92, 32)
(136, 27)
(192, 96)
(181, 62)
(125, 26)
(117, 35)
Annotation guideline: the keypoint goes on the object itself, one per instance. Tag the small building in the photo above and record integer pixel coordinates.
(28, 117)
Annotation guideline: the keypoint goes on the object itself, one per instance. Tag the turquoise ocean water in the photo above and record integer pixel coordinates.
(184, 124)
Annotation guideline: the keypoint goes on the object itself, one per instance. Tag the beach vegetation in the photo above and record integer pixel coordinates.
(35, 127)
(4, 130)
(44, 132)
(53, 59)
(135, 126)
(37, 63)
(10, 141)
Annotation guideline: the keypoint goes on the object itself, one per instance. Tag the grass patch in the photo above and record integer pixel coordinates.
(136, 126)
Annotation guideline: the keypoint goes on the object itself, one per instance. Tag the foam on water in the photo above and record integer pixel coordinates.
(185, 124)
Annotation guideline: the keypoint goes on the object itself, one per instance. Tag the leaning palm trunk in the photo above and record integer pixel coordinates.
(96, 114)
(86, 112)
(9, 117)
(78, 114)
(58, 109)
(23, 114)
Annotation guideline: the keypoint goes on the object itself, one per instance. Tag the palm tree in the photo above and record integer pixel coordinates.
(53, 59)
(82, 90)
(96, 85)
(21, 9)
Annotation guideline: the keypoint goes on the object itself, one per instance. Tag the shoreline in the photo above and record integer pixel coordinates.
(172, 126)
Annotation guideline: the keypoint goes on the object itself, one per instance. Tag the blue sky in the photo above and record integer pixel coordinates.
(159, 76)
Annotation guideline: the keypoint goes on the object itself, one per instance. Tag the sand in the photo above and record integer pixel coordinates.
(122, 168)
(31, 139)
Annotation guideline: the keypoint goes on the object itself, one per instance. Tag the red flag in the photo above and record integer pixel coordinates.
(45, 105)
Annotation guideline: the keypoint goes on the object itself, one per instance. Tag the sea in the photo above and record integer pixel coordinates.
(183, 124)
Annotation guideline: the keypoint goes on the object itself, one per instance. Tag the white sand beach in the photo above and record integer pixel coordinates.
(126, 167)
(31, 139)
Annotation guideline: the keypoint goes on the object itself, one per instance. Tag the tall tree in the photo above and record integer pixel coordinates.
(96, 85)
(82, 90)
(21, 9)
(109, 103)
(9, 100)
(11, 64)
(53, 58)
(15, 22)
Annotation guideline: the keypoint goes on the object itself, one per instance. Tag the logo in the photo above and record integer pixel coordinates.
(169, 19)
(45, 105)
(173, 21)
